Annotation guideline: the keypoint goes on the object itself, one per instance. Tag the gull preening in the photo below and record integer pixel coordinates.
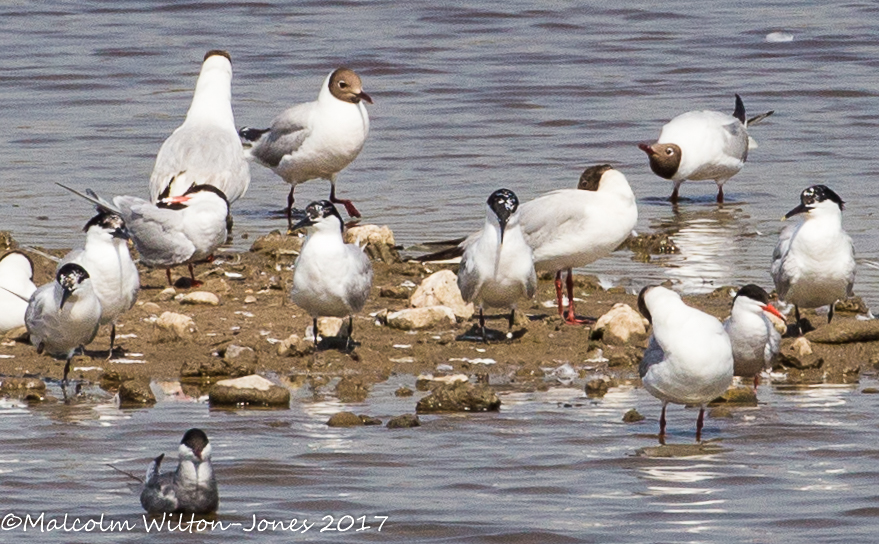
(16, 288)
(702, 145)
(497, 269)
(177, 230)
(205, 149)
(330, 278)
(752, 333)
(192, 488)
(813, 263)
(106, 257)
(689, 358)
(315, 139)
(64, 315)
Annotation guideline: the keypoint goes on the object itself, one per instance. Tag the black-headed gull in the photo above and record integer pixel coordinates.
(17, 282)
(177, 230)
(330, 278)
(702, 145)
(689, 358)
(315, 139)
(205, 149)
(64, 315)
(105, 256)
(191, 489)
(753, 335)
(813, 263)
(497, 268)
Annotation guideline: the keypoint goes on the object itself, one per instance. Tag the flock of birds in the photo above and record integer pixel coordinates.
(203, 168)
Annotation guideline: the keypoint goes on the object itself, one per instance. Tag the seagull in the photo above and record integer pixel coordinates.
(106, 258)
(64, 315)
(571, 228)
(702, 145)
(316, 139)
(497, 268)
(176, 230)
(331, 278)
(689, 358)
(205, 149)
(17, 282)
(814, 262)
(191, 489)
(754, 338)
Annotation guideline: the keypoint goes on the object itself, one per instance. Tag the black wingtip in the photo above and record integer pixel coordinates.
(739, 112)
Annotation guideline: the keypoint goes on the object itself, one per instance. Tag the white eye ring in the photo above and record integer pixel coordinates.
(669, 151)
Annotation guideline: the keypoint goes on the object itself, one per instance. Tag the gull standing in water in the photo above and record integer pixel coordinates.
(813, 263)
(497, 269)
(192, 488)
(108, 261)
(702, 145)
(64, 315)
(689, 358)
(176, 230)
(331, 278)
(752, 333)
(16, 288)
(205, 149)
(315, 139)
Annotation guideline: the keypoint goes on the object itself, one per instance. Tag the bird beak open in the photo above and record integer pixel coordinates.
(771, 309)
(646, 148)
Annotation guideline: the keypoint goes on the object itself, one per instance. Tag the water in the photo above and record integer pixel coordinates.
(469, 97)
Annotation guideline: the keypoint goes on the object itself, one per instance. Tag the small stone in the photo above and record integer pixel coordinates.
(136, 392)
(620, 325)
(596, 388)
(632, 416)
(278, 245)
(166, 295)
(249, 299)
(870, 390)
(242, 355)
(378, 242)
(17, 334)
(173, 326)
(441, 289)
(332, 326)
(801, 347)
(20, 387)
(151, 307)
(398, 293)
(215, 367)
(344, 419)
(720, 412)
(406, 421)
(351, 389)
(459, 397)
(251, 390)
(294, 346)
(529, 371)
(743, 396)
(422, 318)
(369, 420)
(404, 392)
(201, 297)
(844, 331)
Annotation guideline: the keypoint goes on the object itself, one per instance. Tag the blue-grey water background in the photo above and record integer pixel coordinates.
(468, 97)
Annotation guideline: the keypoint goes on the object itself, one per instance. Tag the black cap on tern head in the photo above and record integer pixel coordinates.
(196, 440)
(590, 179)
(317, 211)
(110, 222)
(70, 276)
(753, 292)
(504, 204)
(217, 53)
(812, 195)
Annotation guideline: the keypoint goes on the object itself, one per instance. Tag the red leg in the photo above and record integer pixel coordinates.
(571, 319)
(699, 421)
(662, 424)
(674, 196)
(558, 292)
(349, 206)
(195, 282)
(756, 381)
(720, 194)
(168, 272)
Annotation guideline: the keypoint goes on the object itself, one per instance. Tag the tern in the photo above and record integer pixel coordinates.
(315, 139)
(754, 338)
(689, 357)
(191, 489)
(813, 263)
(331, 278)
(64, 315)
(205, 149)
(17, 282)
(497, 268)
(702, 145)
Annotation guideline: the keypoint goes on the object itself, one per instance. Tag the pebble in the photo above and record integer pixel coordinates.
(441, 289)
(201, 297)
(173, 326)
(422, 318)
(405, 421)
(253, 390)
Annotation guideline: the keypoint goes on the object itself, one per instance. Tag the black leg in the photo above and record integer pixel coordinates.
(830, 315)
(350, 344)
(66, 372)
(482, 325)
(797, 314)
(512, 318)
(290, 208)
(662, 424)
(720, 194)
(314, 331)
(699, 422)
(112, 340)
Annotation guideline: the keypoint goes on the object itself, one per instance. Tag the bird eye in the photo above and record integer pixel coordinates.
(342, 84)
(669, 151)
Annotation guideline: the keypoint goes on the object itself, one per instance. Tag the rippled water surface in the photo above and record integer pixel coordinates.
(468, 97)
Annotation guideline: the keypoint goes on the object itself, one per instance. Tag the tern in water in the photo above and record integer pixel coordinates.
(177, 230)
(813, 263)
(17, 283)
(192, 488)
(752, 333)
(64, 315)
(205, 149)
(497, 268)
(315, 139)
(106, 258)
(702, 145)
(331, 278)
(689, 358)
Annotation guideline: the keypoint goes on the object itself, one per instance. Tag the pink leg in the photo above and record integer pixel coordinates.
(756, 381)
(720, 194)
(168, 272)
(195, 282)
(662, 424)
(699, 421)
(558, 292)
(572, 317)
(349, 206)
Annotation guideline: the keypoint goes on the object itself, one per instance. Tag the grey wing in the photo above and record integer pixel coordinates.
(652, 355)
(94, 199)
(361, 281)
(531, 284)
(287, 133)
(782, 282)
(736, 142)
(157, 232)
(549, 217)
(39, 313)
(158, 494)
(851, 273)
(469, 280)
